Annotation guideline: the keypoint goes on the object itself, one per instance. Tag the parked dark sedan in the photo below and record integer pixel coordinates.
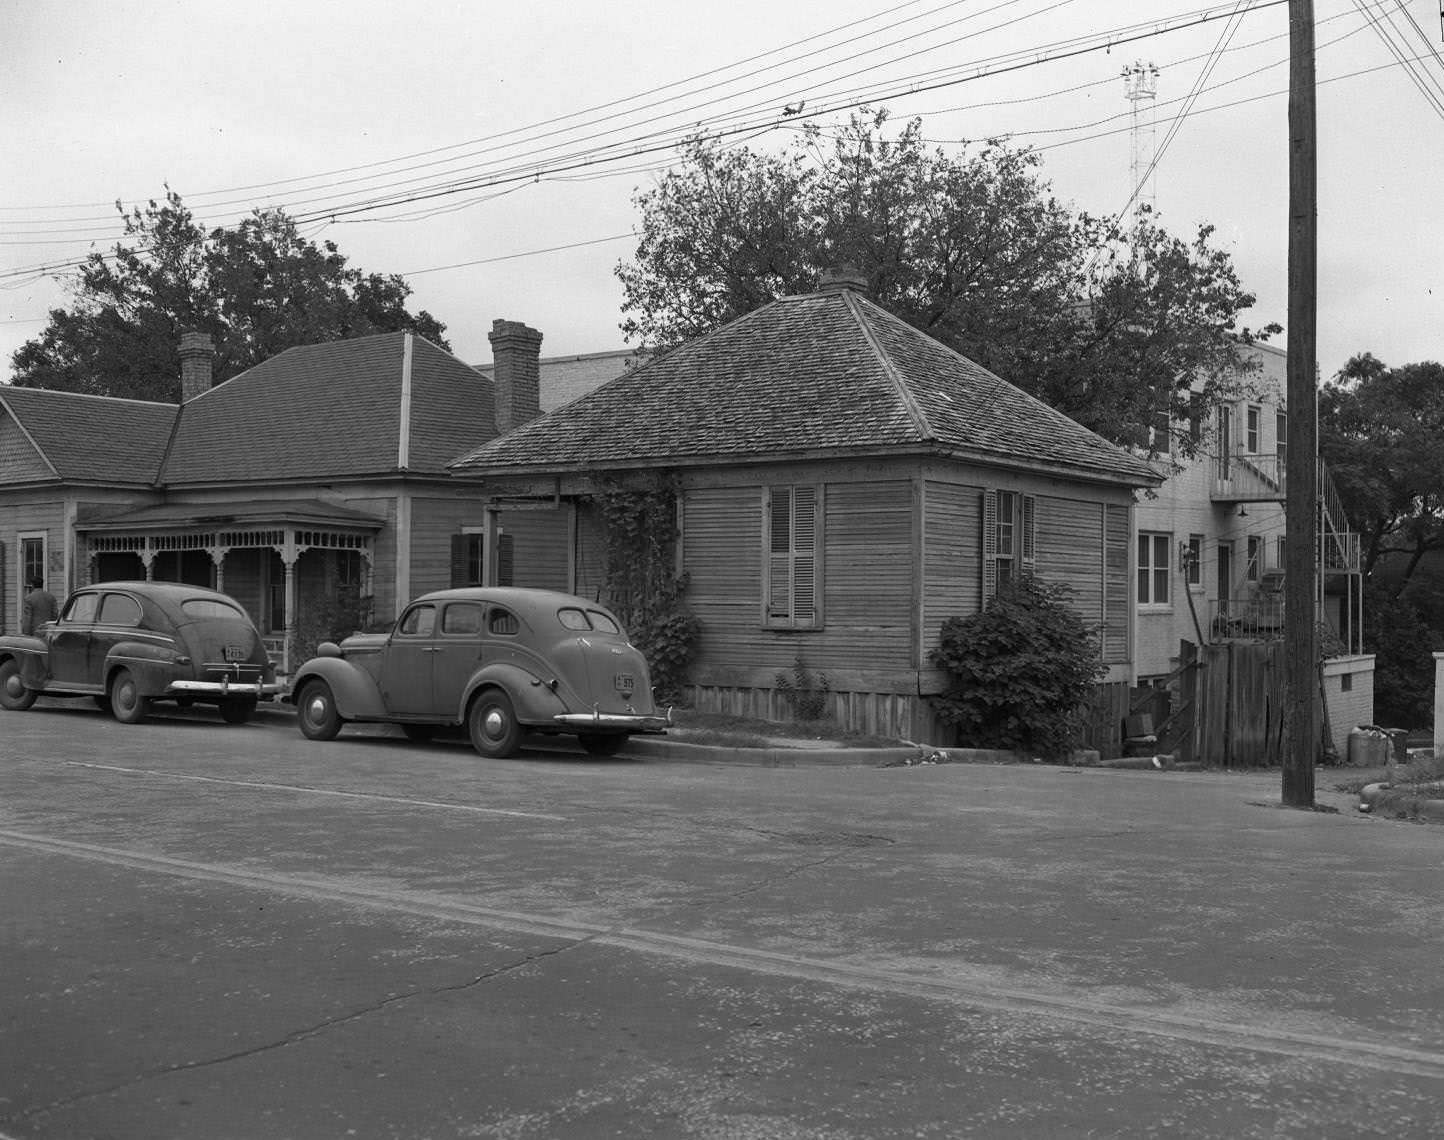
(499, 661)
(130, 643)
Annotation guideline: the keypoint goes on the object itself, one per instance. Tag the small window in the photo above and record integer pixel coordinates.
(348, 569)
(81, 608)
(1346, 682)
(1251, 429)
(1009, 538)
(1153, 568)
(792, 575)
(1254, 566)
(119, 609)
(573, 619)
(1281, 440)
(602, 623)
(1193, 560)
(502, 622)
(461, 617)
(419, 621)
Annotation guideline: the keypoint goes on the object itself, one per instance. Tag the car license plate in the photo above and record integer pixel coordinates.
(236, 653)
(624, 682)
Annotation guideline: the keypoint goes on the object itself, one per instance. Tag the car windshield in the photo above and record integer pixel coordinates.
(198, 609)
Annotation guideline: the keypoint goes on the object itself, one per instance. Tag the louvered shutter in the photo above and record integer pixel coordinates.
(1030, 534)
(458, 561)
(990, 545)
(779, 554)
(505, 561)
(804, 556)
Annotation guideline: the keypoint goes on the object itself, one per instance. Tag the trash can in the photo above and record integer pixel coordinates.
(1399, 742)
(1369, 746)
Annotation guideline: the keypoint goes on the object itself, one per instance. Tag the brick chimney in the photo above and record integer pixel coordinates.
(516, 372)
(196, 354)
(840, 277)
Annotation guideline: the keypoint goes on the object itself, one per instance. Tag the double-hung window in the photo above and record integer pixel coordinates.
(1009, 538)
(1193, 561)
(792, 566)
(1153, 568)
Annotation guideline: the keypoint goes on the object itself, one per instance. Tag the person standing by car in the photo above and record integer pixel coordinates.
(39, 607)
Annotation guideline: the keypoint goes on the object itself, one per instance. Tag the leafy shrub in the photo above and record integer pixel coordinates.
(805, 694)
(1023, 671)
(329, 618)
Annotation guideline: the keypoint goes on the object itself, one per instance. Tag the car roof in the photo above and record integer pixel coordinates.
(175, 591)
(517, 597)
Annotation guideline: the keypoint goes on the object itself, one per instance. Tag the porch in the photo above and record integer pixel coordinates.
(282, 561)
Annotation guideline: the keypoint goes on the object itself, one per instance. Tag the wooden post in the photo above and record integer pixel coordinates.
(1301, 497)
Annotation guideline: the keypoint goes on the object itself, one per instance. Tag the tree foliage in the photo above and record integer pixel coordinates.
(257, 288)
(1022, 671)
(1381, 431)
(1110, 324)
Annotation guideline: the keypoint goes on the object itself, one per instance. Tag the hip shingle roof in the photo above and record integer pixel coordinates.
(824, 372)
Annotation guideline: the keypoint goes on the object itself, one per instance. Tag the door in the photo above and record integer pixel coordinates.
(457, 656)
(70, 641)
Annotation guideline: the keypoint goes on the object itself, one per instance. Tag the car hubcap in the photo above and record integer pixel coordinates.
(494, 724)
(13, 687)
(316, 709)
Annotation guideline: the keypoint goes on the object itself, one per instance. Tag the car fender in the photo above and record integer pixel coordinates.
(532, 699)
(153, 666)
(355, 693)
(29, 653)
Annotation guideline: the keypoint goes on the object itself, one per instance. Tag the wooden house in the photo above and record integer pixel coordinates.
(845, 484)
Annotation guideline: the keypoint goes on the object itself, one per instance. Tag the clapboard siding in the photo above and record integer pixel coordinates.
(1070, 553)
(1117, 610)
(866, 570)
(952, 530)
(45, 517)
(540, 548)
(433, 523)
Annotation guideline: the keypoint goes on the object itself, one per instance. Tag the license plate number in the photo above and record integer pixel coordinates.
(236, 653)
(624, 682)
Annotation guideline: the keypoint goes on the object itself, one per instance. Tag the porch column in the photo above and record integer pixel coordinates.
(289, 556)
(218, 560)
(147, 556)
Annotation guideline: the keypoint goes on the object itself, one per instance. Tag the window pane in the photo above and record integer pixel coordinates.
(118, 609)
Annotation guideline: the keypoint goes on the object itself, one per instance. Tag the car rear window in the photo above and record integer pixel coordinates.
(119, 609)
(573, 618)
(198, 609)
(502, 621)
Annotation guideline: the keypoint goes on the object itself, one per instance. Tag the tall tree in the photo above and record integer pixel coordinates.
(1112, 324)
(1381, 431)
(257, 288)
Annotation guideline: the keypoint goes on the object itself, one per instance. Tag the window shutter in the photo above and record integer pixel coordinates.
(779, 553)
(1030, 534)
(990, 545)
(505, 566)
(804, 560)
(458, 560)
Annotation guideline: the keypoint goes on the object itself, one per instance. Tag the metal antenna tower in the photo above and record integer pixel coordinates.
(1140, 86)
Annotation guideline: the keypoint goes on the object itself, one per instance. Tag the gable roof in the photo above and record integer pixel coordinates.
(368, 406)
(91, 439)
(822, 373)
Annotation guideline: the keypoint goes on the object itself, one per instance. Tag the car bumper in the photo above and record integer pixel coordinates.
(224, 688)
(615, 722)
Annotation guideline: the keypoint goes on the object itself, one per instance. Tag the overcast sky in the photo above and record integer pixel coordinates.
(551, 114)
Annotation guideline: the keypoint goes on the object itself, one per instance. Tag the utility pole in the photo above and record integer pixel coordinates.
(1301, 551)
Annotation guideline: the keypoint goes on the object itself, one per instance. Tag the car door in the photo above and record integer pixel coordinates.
(406, 663)
(457, 656)
(118, 619)
(69, 641)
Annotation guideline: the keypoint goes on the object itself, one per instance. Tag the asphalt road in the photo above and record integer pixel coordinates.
(219, 932)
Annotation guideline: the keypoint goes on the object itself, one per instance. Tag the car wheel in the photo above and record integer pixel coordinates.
(316, 712)
(126, 702)
(603, 743)
(237, 710)
(493, 725)
(419, 733)
(13, 693)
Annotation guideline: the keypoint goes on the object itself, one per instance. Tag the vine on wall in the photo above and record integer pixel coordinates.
(643, 585)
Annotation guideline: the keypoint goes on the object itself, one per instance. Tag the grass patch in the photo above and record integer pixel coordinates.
(722, 729)
(1422, 777)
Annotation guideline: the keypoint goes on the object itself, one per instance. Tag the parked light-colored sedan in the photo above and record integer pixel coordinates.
(499, 661)
(127, 644)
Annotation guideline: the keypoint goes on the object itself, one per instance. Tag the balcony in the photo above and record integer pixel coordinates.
(1245, 478)
(1257, 617)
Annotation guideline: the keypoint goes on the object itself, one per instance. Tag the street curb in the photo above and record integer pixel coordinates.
(660, 748)
(1405, 806)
